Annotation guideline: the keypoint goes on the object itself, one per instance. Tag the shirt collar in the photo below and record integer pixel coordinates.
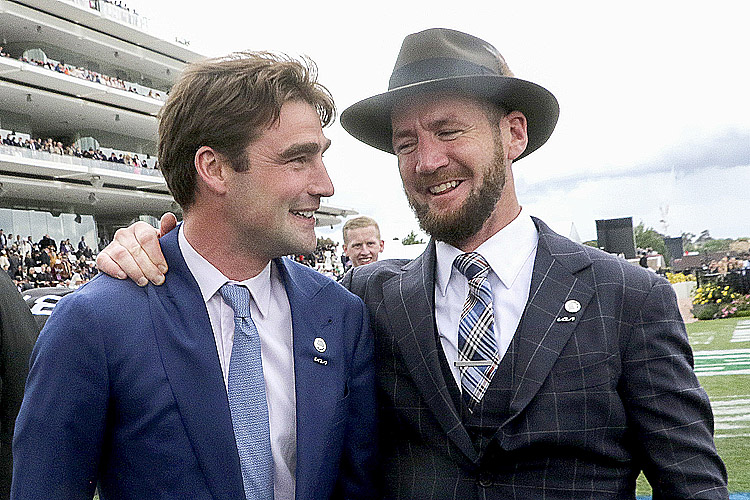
(210, 279)
(505, 251)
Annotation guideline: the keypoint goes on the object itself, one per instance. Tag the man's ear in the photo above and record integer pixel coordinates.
(519, 137)
(210, 167)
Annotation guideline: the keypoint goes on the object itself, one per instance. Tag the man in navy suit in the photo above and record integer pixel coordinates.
(511, 361)
(140, 390)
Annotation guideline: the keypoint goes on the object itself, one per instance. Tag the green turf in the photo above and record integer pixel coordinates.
(730, 398)
(714, 334)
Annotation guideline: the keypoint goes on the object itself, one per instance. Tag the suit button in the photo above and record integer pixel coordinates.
(485, 480)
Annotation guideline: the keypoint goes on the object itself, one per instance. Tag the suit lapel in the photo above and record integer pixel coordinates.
(546, 324)
(315, 400)
(188, 351)
(410, 303)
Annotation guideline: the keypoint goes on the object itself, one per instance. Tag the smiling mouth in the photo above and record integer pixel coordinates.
(444, 187)
(309, 214)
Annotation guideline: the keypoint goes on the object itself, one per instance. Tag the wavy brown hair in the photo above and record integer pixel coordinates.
(225, 103)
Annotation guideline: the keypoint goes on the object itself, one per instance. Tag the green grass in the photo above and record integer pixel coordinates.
(732, 435)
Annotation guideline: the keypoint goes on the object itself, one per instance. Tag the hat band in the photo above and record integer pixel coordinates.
(434, 69)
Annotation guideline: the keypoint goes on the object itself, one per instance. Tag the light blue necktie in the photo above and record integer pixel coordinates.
(247, 398)
(478, 355)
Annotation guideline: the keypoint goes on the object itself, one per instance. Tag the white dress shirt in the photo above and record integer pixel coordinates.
(510, 253)
(269, 308)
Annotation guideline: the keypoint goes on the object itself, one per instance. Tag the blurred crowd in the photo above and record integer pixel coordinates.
(91, 76)
(45, 263)
(728, 264)
(326, 259)
(55, 147)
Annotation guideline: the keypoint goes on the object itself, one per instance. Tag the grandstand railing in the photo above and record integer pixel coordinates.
(48, 64)
(74, 160)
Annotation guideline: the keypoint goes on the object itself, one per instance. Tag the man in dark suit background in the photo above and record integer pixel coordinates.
(18, 332)
(511, 361)
(245, 375)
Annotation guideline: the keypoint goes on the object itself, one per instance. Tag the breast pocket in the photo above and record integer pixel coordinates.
(582, 373)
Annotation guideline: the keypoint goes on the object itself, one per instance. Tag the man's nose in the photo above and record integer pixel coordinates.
(321, 184)
(430, 156)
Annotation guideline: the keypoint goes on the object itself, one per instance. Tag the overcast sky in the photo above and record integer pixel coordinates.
(654, 98)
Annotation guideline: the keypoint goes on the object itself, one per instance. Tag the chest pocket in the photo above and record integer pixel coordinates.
(577, 373)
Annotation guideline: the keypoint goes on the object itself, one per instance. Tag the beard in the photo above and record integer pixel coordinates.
(459, 225)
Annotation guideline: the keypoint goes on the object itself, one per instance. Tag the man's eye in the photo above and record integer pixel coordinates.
(405, 148)
(448, 134)
(298, 160)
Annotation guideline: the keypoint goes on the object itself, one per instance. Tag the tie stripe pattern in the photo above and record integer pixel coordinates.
(247, 398)
(476, 332)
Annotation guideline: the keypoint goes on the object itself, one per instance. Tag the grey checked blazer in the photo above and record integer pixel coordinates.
(593, 400)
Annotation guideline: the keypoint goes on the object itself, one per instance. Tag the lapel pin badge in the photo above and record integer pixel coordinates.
(320, 361)
(320, 344)
(572, 306)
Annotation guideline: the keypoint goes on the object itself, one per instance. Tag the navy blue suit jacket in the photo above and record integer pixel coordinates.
(125, 389)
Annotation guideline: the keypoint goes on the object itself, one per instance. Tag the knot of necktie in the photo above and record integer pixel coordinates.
(472, 265)
(238, 298)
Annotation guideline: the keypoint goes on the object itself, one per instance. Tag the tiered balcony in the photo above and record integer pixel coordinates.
(107, 18)
(40, 77)
(42, 164)
(56, 183)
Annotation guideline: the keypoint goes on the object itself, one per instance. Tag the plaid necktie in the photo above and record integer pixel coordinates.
(478, 355)
(247, 398)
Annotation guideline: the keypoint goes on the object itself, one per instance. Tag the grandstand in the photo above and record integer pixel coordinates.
(89, 78)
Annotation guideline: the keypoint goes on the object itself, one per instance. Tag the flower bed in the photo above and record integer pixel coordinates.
(715, 301)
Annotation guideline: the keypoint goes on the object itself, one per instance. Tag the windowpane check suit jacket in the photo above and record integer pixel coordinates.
(125, 388)
(593, 400)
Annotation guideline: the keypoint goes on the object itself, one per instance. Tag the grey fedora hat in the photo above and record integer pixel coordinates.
(443, 59)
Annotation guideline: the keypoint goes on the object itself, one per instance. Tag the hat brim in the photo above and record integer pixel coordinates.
(369, 120)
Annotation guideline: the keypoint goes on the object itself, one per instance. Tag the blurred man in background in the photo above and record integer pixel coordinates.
(362, 243)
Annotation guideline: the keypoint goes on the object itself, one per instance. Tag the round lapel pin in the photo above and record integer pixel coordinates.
(320, 344)
(572, 306)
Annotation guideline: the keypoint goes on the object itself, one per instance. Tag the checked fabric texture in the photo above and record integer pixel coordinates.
(476, 332)
(247, 398)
